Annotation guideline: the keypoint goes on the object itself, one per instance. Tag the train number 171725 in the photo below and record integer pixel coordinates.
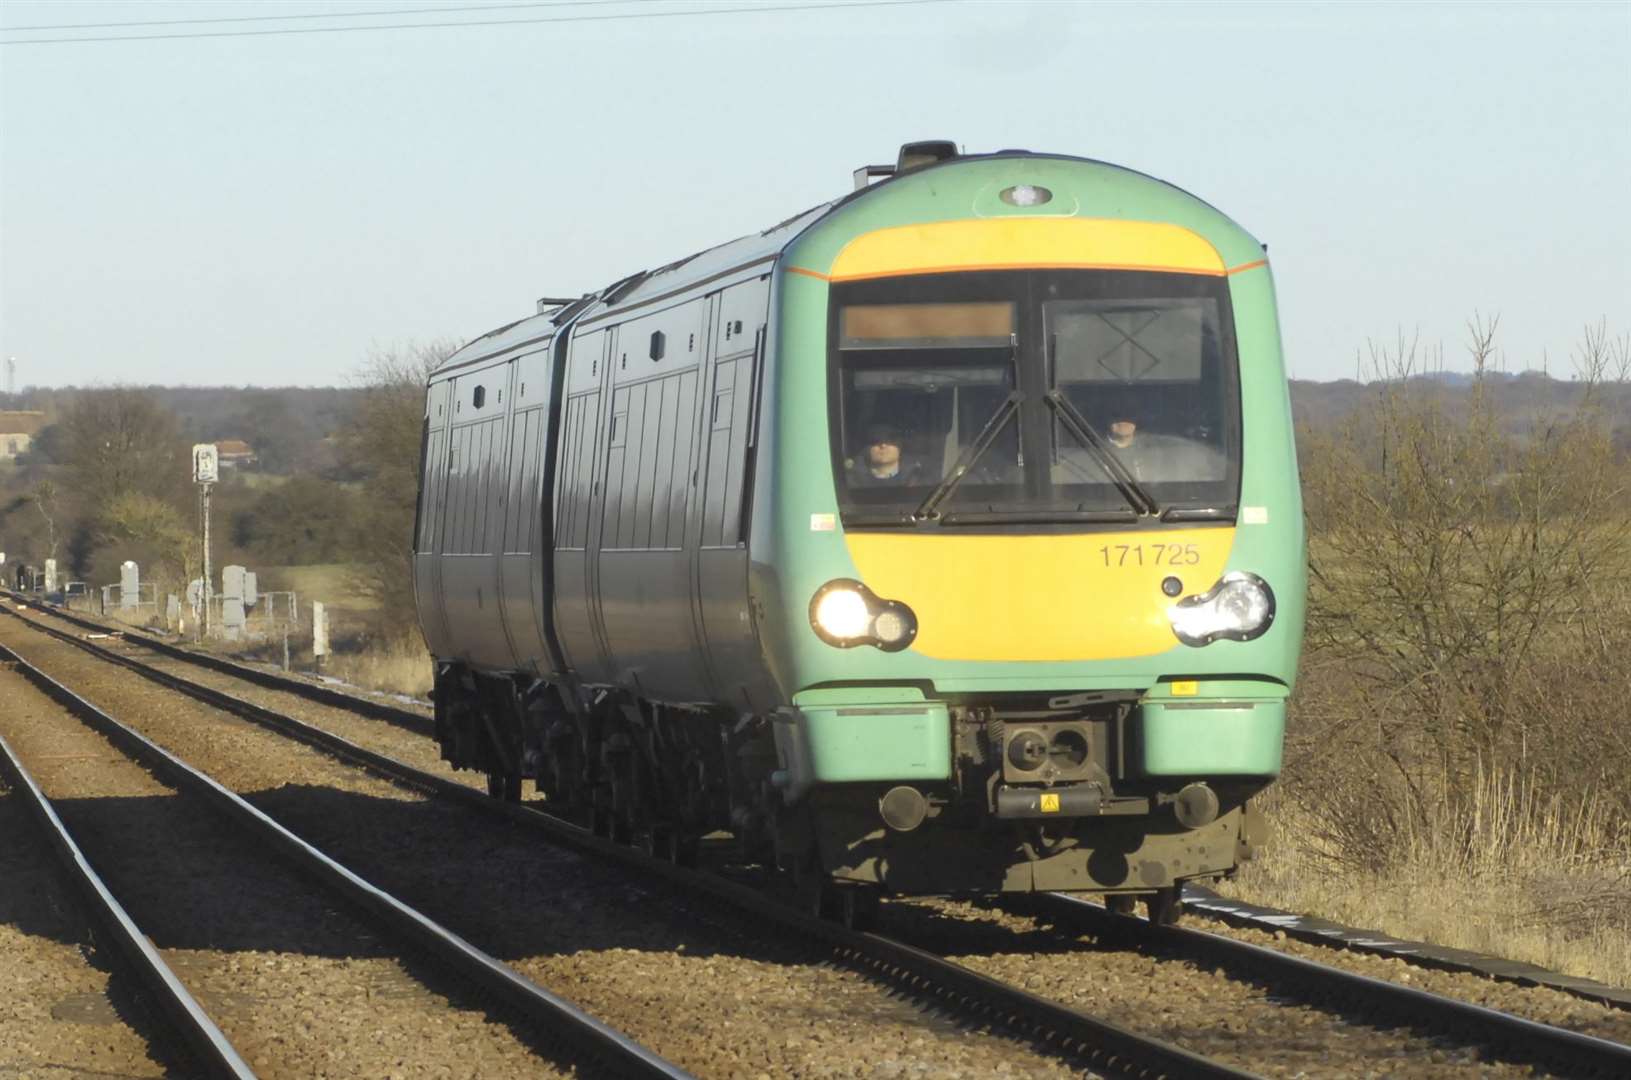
(1150, 554)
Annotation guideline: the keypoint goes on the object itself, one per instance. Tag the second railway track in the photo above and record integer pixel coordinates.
(300, 982)
(1446, 1033)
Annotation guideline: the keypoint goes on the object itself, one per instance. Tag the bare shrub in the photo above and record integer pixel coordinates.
(381, 441)
(1460, 714)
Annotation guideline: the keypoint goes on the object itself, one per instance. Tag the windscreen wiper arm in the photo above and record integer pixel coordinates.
(965, 461)
(1096, 445)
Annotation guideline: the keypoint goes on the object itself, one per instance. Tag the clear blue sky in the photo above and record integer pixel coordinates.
(265, 209)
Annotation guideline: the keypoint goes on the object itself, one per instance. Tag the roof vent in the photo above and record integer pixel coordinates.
(913, 155)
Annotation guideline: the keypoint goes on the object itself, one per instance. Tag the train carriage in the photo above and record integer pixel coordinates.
(945, 538)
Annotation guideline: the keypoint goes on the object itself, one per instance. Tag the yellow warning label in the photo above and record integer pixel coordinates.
(1050, 804)
(1186, 688)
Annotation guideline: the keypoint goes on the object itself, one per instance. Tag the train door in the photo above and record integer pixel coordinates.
(720, 569)
(473, 522)
(644, 577)
(523, 465)
(579, 477)
(427, 570)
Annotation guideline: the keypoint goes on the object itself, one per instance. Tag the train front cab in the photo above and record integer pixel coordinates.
(1050, 647)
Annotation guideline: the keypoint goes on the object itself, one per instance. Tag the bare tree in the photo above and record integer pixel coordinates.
(153, 531)
(382, 444)
(1460, 573)
(121, 440)
(44, 496)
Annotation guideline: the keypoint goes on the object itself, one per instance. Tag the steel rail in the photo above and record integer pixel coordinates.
(1098, 1043)
(1563, 1045)
(599, 1041)
(1527, 1039)
(207, 1045)
(376, 710)
(1202, 902)
(1329, 935)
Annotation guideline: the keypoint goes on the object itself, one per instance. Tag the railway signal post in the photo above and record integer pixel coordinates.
(206, 470)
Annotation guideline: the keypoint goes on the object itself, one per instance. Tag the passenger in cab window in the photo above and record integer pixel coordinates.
(882, 461)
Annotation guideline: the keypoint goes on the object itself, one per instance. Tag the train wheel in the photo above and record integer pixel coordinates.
(856, 907)
(623, 828)
(1164, 907)
(816, 899)
(682, 849)
(1121, 903)
(505, 786)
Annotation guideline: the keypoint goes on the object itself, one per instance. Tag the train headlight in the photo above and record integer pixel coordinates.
(1239, 607)
(840, 613)
(845, 613)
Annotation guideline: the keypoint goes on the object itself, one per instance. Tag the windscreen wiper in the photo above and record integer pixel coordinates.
(1097, 446)
(1198, 513)
(982, 442)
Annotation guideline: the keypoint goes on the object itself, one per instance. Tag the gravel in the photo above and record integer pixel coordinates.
(691, 983)
(1537, 1003)
(65, 1007)
(300, 988)
(1169, 996)
(1166, 995)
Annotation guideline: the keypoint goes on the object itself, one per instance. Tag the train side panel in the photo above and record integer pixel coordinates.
(473, 524)
(579, 506)
(721, 584)
(522, 504)
(427, 577)
(655, 451)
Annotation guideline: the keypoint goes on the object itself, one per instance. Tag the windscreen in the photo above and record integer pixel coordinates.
(1035, 397)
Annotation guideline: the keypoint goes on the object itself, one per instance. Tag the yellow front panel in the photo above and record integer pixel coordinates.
(1038, 243)
(1094, 596)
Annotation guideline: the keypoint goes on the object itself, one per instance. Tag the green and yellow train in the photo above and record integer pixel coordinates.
(945, 538)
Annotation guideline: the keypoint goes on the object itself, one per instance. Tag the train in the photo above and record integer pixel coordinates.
(943, 539)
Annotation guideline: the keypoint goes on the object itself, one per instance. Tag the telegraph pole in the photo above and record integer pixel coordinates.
(205, 472)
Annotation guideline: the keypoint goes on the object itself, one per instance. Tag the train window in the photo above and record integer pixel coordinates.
(911, 415)
(1036, 398)
(659, 342)
(1136, 369)
(925, 326)
(478, 396)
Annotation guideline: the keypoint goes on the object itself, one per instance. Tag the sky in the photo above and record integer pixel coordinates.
(269, 209)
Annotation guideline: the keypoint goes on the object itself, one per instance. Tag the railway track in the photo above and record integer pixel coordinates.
(180, 1022)
(1514, 1038)
(216, 902)
(1504, 1036)
(968, 1000)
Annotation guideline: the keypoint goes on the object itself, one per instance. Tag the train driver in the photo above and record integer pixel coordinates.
(882, 461)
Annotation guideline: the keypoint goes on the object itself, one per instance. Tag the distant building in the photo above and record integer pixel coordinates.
(17, 431)
(234, 453)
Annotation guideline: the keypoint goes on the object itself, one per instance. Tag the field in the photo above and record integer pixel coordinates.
(364, 650)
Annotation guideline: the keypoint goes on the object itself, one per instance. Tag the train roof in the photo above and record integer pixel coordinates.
(681, 275)
(642, 288)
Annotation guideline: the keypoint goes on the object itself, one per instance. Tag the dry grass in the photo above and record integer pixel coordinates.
(1504, 868)
(335, 585)
(395, 667)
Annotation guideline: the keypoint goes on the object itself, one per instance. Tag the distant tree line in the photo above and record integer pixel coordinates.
(335, 480)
